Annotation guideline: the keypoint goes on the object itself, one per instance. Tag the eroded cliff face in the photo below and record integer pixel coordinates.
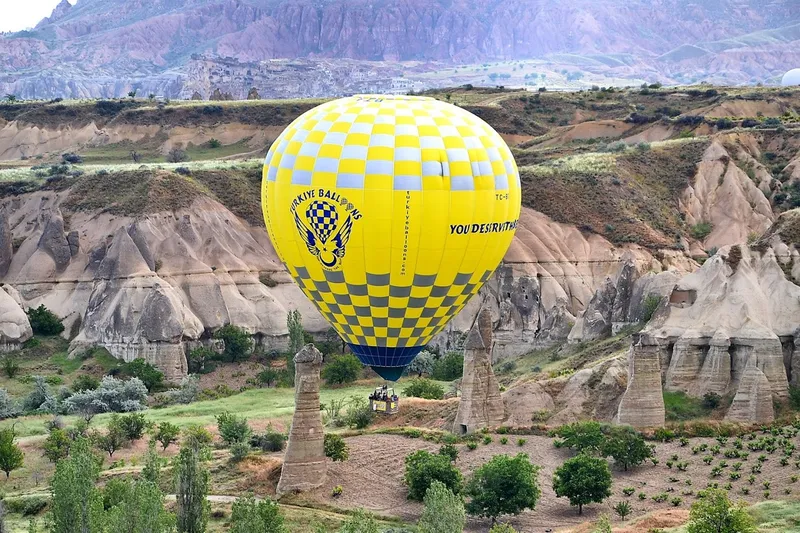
(730, 328)
(143, 287)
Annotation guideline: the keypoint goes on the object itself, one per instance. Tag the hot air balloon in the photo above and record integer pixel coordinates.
(390, 213)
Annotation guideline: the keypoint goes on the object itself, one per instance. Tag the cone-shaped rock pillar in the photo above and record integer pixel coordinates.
(304, 466)
(481, 404)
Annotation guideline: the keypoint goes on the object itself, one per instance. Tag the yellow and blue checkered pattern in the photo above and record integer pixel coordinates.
(390, 212)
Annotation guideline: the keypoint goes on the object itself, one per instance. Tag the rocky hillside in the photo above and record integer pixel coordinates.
(106, 47)
(148, 258)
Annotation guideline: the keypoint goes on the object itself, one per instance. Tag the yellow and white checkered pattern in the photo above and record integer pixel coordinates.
(433, 196)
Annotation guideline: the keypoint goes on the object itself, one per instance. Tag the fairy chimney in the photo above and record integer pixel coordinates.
(481, 404)
(304, 466)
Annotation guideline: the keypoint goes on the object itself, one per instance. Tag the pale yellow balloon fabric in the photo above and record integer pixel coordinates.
(390, 212)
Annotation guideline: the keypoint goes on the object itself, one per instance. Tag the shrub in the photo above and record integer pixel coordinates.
(521, 442)
(448, 367)
(133, 425)
(424, 388)
(714, 513)
(149, 374)
(273, 441)
(583, 479)
(503, 485)
(232, 428)
(449, 451)
(188, 391)
(724, 123)
(239, 450)
(26, 506)
(444, 511)
(701, 230)
(248, 515)
(422, 468)
(359, 414)
(651, 303)
(711, 400)
(198, 358)
(56, 445)
(342, 369)
(623, 509)
(39, 397)
(176, 155)
(44, 322)
(238, 343)
(10, 366)
(85, 382)
(337, 491)
(214, 143)
(472, 445)
(9, 408)
(335, 447)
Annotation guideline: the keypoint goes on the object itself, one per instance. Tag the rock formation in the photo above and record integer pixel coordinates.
(729, 328)
(304, 466)
(642, 405)
(481, 404)
(753, 400)
(14, 325)
(525, 402)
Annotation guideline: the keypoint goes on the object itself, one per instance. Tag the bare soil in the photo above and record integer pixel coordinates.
(372, 478)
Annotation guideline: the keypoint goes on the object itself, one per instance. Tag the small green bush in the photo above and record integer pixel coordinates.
(232, 428)
(44, 322)
(26, 506)
(271, 440)
(424, 388)
(423, 467)
(702, 230)
(335, 447)
(342, 369)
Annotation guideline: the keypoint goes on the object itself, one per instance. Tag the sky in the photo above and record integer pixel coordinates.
(17, 15)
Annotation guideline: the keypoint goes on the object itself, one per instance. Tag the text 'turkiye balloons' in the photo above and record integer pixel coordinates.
(390, 212)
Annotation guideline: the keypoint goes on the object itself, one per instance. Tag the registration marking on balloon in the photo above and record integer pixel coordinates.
(390, 213)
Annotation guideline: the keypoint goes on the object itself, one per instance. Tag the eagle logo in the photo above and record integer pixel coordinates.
(325, 238)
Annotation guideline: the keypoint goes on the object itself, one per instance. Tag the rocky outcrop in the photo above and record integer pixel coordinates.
(304, 466)
(54, 242)
(642, 405)
(14, 325)
(526, 403)
(753, 400)
(622, 302)
(481, 404)
(730, 327)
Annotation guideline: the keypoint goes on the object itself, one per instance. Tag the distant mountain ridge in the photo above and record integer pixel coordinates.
(103, 47)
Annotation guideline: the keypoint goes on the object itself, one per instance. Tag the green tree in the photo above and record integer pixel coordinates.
(113, 439)
(232, 428)
(336, 447)
(504, 485)
(626, 447)
(423, 468)
(85, 382)
(444, 511)
(623, 509)
(167, 433)
(448, 367)
(44, 322)
(191, 489)
(141, 511)
(360, 522)
(424, 388)
(152, 464)
(581, 436)
(715, 513)
(11, 456)
(583, 480)
(268, 376)
(11, 98)
(77, 505)
(342, 369)
(238, 343)
(56, 445)
(296, 331)
(248, 516)
(150, 375)
(133, 425)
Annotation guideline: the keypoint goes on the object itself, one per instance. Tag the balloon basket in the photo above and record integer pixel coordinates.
(384, 401)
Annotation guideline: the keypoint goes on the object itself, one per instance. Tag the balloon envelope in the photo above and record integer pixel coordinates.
(390, 212)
